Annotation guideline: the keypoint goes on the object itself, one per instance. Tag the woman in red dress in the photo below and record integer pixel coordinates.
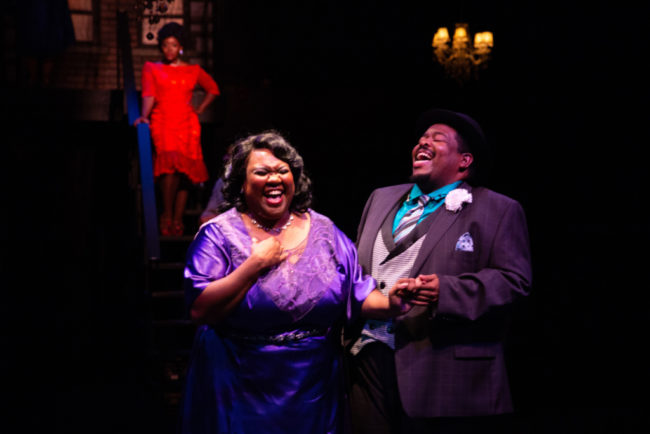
(167, 88)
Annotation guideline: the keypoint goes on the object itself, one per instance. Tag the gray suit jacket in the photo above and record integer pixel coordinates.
(450, 359)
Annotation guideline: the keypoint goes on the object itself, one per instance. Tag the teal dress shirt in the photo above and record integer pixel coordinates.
(437, 198)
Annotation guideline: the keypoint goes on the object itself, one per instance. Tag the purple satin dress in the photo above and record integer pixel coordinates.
(274, 366)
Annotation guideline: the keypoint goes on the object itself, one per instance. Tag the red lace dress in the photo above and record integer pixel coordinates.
(175, 128)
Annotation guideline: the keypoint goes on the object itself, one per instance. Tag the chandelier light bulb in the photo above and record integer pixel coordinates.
(460, 33)
(440, 38)
(483, 41)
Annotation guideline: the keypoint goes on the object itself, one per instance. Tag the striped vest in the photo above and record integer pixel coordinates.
(386, 274)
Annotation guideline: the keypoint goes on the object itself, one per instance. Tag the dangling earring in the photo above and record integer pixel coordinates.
(181, 52)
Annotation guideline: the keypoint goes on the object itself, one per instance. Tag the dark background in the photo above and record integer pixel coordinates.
(563, 103)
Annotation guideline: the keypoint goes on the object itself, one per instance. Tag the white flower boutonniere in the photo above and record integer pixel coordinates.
(456, 198)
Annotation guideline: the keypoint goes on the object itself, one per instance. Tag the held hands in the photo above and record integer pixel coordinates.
(399, 303)
(406, 293)
(141, 120)
(421, 291)
(268, 252)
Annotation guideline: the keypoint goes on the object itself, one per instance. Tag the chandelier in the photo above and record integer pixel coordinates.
(460, 59)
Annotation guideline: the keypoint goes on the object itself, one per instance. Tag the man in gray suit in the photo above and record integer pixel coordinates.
(441, 367)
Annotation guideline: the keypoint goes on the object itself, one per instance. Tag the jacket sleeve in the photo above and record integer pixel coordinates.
(506, 276)
(364, 217)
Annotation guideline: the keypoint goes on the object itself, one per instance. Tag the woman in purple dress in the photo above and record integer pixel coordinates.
(272, 282)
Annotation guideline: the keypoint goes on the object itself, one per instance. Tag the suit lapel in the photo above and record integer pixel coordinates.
(387, 226)
(440, 223)
(380, 213)
(420, 230)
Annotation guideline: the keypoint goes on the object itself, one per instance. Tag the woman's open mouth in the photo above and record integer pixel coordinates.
(274, 196)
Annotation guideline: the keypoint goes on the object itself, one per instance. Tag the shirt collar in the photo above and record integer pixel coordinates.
(436, 195)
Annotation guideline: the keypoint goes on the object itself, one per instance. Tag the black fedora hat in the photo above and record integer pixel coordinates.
(469, 130)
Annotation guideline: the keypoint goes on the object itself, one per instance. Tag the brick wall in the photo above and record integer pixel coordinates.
(97, 66)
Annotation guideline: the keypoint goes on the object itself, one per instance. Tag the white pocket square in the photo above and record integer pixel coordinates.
(465, 243)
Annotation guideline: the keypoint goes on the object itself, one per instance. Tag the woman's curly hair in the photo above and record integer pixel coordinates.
(172, 29)
(235, 173)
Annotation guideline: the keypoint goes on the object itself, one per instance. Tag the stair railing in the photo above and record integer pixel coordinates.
(150, 219)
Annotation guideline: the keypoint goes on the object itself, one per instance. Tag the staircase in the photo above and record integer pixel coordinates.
(170, 332)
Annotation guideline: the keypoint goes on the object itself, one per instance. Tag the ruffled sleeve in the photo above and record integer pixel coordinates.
(208, 259)
(207, 83)
(358, 283)
(148, 85)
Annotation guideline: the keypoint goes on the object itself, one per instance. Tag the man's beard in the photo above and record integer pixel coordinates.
(420, 180)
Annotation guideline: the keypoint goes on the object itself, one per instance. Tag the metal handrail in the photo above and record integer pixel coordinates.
(152, 239)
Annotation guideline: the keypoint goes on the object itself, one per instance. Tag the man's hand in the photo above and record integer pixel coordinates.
(422, 291)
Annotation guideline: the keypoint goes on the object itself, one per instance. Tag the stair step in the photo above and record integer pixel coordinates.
(167, 265)
(169, 280)
(176, 239)
(193, 212)
(170, 354)
(168, 294)
(172, 322)
(173, 336)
